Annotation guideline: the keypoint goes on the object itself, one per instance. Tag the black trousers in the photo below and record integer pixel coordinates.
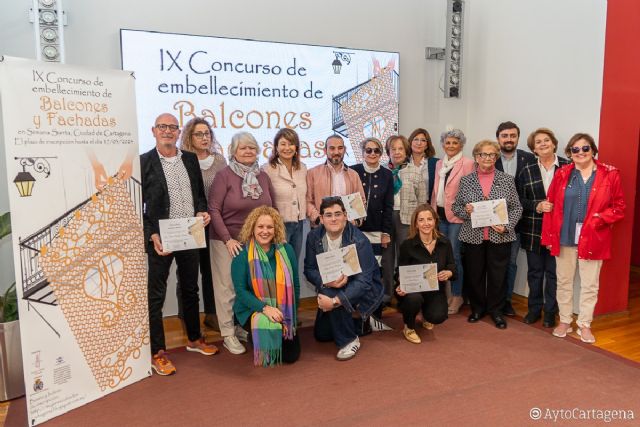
(290, 348)
(542, 296)
(433, 305)
(159, 266)
(485, 266)
(207, 280)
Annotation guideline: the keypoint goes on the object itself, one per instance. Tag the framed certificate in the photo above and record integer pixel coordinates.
(180, 234)
(419, 278)
(334, 263)
(354, 206)
(489, 212)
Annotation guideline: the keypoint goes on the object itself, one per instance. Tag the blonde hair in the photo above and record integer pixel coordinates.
(246, 233)
(484, 143)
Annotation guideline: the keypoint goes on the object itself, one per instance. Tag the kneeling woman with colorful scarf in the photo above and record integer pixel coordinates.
(265, 277)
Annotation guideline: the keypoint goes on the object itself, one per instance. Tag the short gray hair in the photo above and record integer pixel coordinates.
(242, 138)
(453, 133)
(376, 141)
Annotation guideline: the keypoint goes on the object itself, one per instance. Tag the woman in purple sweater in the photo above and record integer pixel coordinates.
(236, 191)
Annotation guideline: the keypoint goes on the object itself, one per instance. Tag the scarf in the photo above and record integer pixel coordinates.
(397, 182)
(274, 289)
(447, 165)
(249, 174)
(369, 169)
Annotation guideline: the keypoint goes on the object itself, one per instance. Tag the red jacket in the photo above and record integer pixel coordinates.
(605, 206)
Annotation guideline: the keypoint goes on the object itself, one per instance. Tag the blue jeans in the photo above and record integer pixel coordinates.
(542, 296)
(451, 230)
(512, 268)
(294, 236)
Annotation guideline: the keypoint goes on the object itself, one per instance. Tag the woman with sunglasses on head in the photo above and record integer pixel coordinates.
(378, 189)
(198, 138)
(585, 199)
(487, 248)
(289, 179)
(449, 172)
(422, 157)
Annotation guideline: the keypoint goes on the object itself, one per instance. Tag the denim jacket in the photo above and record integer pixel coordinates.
(363, 291)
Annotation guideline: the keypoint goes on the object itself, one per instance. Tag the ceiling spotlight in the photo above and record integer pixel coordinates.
(454, 67)
(456, 18)
(455, 43)
(47, 17)
(49, 34)
(50, 52)
(456, 31)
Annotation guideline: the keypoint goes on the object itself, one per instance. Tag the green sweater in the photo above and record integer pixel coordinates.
(246, 302)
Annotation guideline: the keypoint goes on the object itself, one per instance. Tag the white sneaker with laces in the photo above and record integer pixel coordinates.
(378, 325)
(233, 345)
(241, 334)
(349, 350)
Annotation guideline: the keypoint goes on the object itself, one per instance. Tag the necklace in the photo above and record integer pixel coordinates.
(427, 243)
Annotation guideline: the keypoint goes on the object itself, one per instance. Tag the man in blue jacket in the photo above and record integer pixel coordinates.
(338, 300)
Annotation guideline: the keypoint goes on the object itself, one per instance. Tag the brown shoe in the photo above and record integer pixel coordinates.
(201, 347)
(162, 365)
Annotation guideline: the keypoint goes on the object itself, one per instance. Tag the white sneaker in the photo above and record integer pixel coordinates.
(241, 334)
(378, 325)
(349, 350)
(233, 345)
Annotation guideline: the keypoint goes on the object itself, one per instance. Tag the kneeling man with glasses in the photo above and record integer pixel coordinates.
(340, 299)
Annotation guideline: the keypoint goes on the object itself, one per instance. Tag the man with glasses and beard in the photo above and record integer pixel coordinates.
(332, 178)
(511, 161)
(340, 299)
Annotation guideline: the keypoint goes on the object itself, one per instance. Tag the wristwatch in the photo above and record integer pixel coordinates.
(336, 302)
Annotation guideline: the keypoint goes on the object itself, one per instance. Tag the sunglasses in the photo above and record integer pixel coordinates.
(584, 148)
(373, 150)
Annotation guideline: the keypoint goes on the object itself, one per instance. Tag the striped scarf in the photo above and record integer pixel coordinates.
(274, 289)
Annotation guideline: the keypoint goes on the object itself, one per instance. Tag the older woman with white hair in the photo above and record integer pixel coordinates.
(236, 191)
(449, 171)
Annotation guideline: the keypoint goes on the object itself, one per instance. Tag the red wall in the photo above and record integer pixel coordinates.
(619, 139)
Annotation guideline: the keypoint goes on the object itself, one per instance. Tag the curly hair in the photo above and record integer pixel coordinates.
(413, 227)
(246, 233)
(186, 142)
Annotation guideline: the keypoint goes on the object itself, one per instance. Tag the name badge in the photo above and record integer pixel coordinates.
(578, 230)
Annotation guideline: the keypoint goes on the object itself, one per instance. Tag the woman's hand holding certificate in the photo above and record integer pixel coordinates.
(488, 213)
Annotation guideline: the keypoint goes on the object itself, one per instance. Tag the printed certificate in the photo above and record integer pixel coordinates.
(182, 233)
(340, 261)
(489, 212)
(354, 205)
(419, 278)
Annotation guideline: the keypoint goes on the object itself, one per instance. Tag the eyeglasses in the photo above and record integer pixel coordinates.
(420, 140)
(491, 156)
(200, 135)
(163, 127)
(584, 148)
(330, 215)
(373, 150)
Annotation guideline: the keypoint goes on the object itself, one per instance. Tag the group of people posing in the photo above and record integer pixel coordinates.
(418, 209)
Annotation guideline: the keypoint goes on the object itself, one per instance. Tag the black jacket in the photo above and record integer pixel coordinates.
(155, 193)
(413, 252)
(378, 189)
(524, 158)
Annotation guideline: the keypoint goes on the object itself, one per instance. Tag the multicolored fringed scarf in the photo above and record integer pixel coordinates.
(274, 289)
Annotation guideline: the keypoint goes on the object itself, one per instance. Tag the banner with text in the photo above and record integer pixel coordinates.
(70, 136)
(260, 87)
